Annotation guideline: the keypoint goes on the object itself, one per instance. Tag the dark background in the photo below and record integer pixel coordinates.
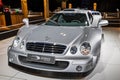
(37, 5)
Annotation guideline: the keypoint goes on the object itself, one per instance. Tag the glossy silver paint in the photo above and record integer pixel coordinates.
(68, 36)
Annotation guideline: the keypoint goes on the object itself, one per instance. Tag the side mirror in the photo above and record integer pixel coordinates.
(103, 23)
(26, 21)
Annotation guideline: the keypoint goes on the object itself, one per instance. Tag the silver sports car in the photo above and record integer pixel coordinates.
(68, 42)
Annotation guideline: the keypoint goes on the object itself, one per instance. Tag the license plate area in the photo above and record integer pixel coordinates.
(40, 59)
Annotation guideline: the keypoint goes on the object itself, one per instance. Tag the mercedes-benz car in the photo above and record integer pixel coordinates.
(67, 42)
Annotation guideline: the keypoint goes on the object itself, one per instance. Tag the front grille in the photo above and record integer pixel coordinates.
(45, 47)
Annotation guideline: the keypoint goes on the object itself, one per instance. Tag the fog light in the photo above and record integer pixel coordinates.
(89, 66)
(78, 68)
(10, 59)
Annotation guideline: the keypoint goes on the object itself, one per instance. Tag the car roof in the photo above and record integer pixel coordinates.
(73, 10)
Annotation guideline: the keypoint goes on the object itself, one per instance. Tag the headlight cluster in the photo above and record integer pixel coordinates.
(73, 49)
(85, 48)
(18, 42)
(22, 45)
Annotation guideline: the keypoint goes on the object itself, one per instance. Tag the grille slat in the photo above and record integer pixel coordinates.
(45, 47)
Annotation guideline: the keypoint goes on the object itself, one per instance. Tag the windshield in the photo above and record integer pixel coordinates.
(68, 19)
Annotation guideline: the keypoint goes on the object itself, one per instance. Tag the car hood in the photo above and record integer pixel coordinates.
(53, 34)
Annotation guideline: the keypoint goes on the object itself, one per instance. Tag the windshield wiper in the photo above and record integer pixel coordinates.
(54, 22)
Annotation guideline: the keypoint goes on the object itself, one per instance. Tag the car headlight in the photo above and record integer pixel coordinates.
(85, 48)
(22, 45)
(73, 49)
(16, 42)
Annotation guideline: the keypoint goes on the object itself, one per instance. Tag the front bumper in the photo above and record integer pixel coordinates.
(61, 64)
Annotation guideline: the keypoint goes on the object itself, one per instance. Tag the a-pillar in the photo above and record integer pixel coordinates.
(46, 9)
(24, 8)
